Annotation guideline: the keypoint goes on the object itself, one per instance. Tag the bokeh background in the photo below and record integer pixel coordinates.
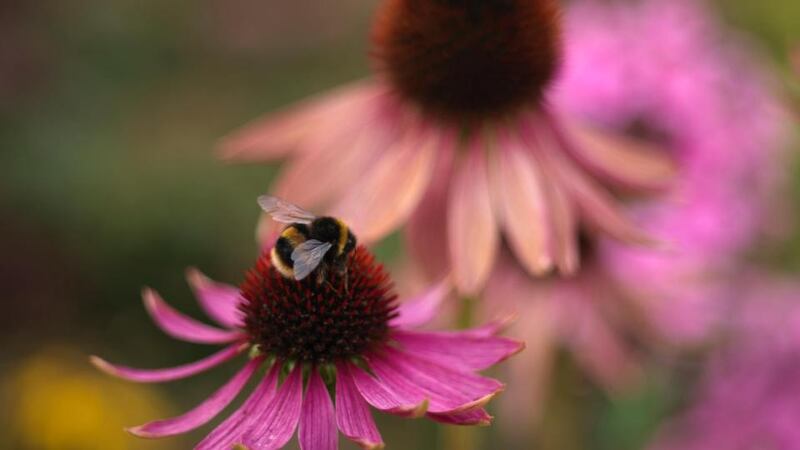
(109, 112)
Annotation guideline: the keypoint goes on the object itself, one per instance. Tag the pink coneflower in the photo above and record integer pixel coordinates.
(673, 75)
(663, 70)
(454, 136)
(351, 338)
(749, 397)
(587, 316)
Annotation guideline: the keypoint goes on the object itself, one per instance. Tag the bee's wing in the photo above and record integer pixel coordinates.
(283, 211)
(307, 256)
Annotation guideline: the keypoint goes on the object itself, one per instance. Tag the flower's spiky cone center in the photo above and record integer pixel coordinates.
(468, 60)
(317, 322)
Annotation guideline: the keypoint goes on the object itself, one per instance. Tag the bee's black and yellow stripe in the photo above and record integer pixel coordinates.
(343, 233)
(323, 229)
(281, 255)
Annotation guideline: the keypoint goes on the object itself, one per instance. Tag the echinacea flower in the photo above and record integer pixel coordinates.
(674, 75)
(455, 137)
(749, 396)
(586, 316)
(665, 71)
(346, 336)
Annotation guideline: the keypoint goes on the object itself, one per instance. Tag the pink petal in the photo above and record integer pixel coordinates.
(426, 231)
(317, 429)
(353, 416)
(274, 420)
(419, 310)
(379, 395)
(203, 412)
(458, 350)
(596, 204)
(231, 430)
(533, 299)
(220, 301)
(472, 231)
(276, 135)
(449, 391)
(492, 327)
(518, 188)
(173, 373)
(182, 327)
(563, 244)
(383, 198)
(363, 139)
(267, 231)
(403, 388)
(620, 159)
(477, 417)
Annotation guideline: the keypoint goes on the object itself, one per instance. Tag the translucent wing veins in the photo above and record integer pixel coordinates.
(307, 256)
(283, 211)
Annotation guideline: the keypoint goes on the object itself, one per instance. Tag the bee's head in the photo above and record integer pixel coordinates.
(326, 229)
(333, 230)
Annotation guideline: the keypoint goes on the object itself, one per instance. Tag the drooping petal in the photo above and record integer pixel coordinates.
(620, 159)
(404, 389)
(598, 207)
(537, 309)
(231, 430)
(419, 310)
(173, 373)
(448, 390)
(274, 420)
(563, 242)
(426, 230)
(182, 327)
(384, 197)
(458, 350)
(278, 134)
(317, 428)
(203, 412)
(523, 207)
(471, 227)
(319, 176)
(378, 395)
(477, 417)
(219, 300)
(492, 327)
(353, 416)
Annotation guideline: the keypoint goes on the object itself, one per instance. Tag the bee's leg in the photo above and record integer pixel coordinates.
(323, 278)
(345, 278)
(333, 287)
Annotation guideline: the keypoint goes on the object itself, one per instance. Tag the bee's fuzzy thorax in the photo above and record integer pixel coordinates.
(319, 322)
(467, 60)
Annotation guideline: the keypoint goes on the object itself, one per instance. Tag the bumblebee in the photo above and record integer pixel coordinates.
(308, 243)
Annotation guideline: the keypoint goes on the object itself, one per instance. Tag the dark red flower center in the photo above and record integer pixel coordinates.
(315, 321)
(469, 59)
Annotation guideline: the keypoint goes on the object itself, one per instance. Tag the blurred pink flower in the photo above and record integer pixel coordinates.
(353, 339)
(454, 137)
(663, 70)
(586, 315)
(749, 397)
(668, 70)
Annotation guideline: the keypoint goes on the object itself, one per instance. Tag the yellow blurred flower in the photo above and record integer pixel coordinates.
(58, 403)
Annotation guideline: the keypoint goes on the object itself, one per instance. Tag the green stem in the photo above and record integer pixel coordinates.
(462, 437)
